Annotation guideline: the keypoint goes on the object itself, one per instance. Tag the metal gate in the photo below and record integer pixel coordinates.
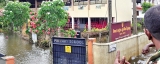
(69, 50)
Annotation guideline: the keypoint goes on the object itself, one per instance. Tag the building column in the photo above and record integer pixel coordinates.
(89, 24)
(72, 5)
(89, 19)
(72, 22)
(36, 5)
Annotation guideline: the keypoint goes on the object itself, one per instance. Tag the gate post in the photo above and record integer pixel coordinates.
(8, 60)
(90, 50)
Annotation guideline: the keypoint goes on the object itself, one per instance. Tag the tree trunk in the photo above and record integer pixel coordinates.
(59, 34)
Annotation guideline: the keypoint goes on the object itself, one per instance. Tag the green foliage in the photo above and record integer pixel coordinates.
(2, 0)
(72, 33)
(146, 6)
(85, 30)
(51, 15)
(68, 33)
(1, 20)
(2, 3)
(139, 25)
(16, 13)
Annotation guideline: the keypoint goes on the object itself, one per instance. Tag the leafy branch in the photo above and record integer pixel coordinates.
(16, 13)
(146, 6)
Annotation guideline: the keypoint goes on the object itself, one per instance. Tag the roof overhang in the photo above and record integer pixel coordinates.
(139, 8)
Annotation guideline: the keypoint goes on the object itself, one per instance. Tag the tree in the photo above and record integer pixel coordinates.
(146, 6)
(51, 16)
(2, 3)
(16, 14)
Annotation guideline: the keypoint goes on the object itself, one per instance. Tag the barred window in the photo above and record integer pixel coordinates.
(80, 2)
(98, 1)
(32, 2)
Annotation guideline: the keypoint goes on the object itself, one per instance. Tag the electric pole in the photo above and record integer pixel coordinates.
(110, 20)
(134, 17)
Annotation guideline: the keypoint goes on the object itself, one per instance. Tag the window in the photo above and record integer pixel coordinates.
(83, 20)
(32, 2)
(138, 1)
(98, 1)
(137, 13)
(67, 2)
(80, 2)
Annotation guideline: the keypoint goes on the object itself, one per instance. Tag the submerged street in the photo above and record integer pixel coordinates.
(24, 53)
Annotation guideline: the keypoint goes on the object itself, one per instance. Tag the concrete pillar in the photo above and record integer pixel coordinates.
(89, 24)
(89, 19)
(90, 50)
(72, 22)
(7, 60)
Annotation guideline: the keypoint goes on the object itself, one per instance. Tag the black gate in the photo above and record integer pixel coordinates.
(69, 50)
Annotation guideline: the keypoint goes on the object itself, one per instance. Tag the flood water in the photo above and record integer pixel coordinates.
(23, 52)
(26, 53)
(142, 59)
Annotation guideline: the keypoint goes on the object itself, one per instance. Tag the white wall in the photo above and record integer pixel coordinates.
(141, 15)
(123, 12)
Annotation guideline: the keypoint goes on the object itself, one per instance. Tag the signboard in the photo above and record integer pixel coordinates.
(69, 50)
(120, 30)
(34, 37)
(112, 47)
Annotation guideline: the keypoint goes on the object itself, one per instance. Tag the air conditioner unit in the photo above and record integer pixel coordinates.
(80, 7)
(66, 8)
(98, 6)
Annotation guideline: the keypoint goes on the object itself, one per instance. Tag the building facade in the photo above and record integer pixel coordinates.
(88, 14)
(98, 9)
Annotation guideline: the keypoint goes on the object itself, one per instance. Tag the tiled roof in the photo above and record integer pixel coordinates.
(139, 7)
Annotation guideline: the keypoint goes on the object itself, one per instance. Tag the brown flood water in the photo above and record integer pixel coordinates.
(141, 59)
(26, 53)
(23, 52)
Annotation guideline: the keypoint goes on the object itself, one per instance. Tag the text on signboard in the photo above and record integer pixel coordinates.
(121, 30)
